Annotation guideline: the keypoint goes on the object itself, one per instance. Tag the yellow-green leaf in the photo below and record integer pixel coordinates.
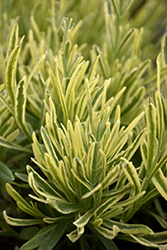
(11, 70)
(151, 134)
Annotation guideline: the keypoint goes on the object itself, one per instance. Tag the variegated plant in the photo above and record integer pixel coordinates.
(92, 121)
(89, 179)
(81, 163)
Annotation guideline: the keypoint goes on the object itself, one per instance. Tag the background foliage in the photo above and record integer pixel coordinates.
(83, 124)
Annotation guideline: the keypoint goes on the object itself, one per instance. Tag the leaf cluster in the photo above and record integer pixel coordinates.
(83, 125)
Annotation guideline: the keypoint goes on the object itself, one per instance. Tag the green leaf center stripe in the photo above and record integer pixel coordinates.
(11, 70)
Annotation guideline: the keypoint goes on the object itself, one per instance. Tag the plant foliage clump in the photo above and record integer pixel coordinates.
(83, 124)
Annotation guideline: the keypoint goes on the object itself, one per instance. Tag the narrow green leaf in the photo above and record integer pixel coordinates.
(151, 134)
(133, 102)
(135, 145)
(160, 182)
(159, 165)
(28, 232)
(13, 135)
(93, 69)
(63, 206)
(104, 93)
(76, 79)
(143, 241)
(72, 138)
(89, 103)
(116, 8)
(64, 142)
(161, 221)
(7, 125)
(112, 103)
(128, 4)
(37, 149)
(13, 40)
(34, 69)
(149, 196)
(23, 177)
(43, 185)
(160, 116)
(58, 88)
(110, 177)
(11, 70)
(11, 145)
(110, 140)
(6, 103)
(130, 200)
(153, 76)
(48, 145)
(35, 29)
(81, 180)
(81, 106)
(21, 222)
(88, 194)
(17, 197)
(110, 30)
(59, 175)
(108, 233)
(131, 174)
(75, 84)
(31, 209)
(121, 140)
(126, 38)
(84, 219)
(80, 141)
(51, 220)
(38, 239)
(5, 174)
(143, 149)
(90, 160)
(143, 67)
(20, 107)
(56, 233)
(108, 204)
(112, 213)
(76, 234)
(128, 228)
(80, 169)
(83, 130)
(157, 238)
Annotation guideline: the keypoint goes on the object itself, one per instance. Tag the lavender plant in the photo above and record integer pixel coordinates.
(83, 128)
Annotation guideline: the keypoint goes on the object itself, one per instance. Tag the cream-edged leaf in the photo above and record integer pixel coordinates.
(151, 134)
(63, 206)
(20, 108)
(160, 182)
(21, 222)
(11, 71)
(131, 174)
(84, 219)
(128, 228)
(13, 40)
